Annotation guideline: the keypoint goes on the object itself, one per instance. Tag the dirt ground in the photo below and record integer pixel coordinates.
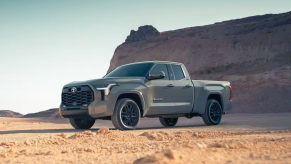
(25, 140)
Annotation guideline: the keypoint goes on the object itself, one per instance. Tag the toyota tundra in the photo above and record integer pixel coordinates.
(146, 89)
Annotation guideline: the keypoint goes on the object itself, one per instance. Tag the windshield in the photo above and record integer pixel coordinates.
(132, 70)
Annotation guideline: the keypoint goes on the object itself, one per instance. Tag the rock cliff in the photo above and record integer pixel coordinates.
(253, 53)
(143, 33)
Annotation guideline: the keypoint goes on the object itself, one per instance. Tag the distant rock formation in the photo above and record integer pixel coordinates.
(143, 33)
(253, 53)
(51, 113)
(8, 113)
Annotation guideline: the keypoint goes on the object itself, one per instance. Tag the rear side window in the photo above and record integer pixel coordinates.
(178, 72)
(160, 67)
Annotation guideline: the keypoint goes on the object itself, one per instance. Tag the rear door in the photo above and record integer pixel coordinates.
(184, 91)
(161, 92)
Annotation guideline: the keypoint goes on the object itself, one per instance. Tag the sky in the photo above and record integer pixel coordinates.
(45, 44)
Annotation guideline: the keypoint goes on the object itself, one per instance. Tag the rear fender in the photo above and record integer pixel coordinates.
(202, 93)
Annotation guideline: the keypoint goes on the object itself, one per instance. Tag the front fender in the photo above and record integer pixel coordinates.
(141, 94)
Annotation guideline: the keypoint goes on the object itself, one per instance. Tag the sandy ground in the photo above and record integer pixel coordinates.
(255, 138)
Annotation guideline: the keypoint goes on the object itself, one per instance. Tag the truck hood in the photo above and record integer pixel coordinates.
(107, 81)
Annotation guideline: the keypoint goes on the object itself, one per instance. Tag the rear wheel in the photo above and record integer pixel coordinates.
(81, 123)
(168, 122)
(213, 113)
(126, 114)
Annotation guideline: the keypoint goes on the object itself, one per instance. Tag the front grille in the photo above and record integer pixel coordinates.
(72, 108)
(82, 96)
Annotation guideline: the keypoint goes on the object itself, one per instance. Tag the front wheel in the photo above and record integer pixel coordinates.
(168, 122)
(126, 114)
(81, 123)
(213, 113)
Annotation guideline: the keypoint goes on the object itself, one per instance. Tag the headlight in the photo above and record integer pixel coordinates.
(105, 87)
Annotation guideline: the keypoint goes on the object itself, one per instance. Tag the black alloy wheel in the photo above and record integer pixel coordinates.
(129, 114)
(168, 122)
(81, 123)
(213, 113)
(126, 114)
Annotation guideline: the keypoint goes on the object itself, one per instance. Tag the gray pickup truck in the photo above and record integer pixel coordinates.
(146, 89)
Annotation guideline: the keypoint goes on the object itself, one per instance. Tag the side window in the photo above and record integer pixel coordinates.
(178, 72)
(161, 67)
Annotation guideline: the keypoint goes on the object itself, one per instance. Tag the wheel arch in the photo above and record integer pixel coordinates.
(217, 97)
(134, 95)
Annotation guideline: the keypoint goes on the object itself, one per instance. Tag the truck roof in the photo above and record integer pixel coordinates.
(156, 62)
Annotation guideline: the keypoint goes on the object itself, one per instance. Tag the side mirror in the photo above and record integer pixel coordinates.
(156, 75)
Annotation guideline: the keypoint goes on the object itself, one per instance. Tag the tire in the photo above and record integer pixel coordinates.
(81, 123)
(126, 114)
(168, 122)
(213, 113)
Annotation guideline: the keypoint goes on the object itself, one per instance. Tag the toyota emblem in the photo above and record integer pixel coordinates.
(74, 89)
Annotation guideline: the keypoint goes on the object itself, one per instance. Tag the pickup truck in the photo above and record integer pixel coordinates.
(145, 89)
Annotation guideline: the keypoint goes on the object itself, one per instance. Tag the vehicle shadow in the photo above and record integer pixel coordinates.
(175, 127)
(96, 129)
(49, 131)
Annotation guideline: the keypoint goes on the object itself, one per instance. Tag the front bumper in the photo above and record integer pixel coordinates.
(79, 113)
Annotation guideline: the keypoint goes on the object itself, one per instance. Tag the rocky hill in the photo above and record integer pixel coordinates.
(8, 113)
(143, 33)
(253, 53)
(51, 113)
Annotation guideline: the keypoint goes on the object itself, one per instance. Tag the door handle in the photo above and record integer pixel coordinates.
(170, 85)
(188, 85)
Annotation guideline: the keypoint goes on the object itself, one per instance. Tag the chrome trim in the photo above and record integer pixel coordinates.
(182, 103)
(163, 104)
(107, 89)
(171, 104)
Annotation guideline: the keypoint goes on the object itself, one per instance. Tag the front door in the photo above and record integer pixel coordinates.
(184, 91)
(161, 92)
